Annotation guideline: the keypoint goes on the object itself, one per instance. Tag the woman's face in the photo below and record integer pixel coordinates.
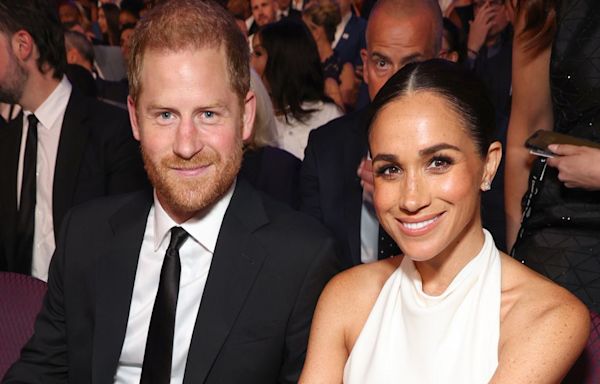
(428, 174)
(102, 21)
(259, 56)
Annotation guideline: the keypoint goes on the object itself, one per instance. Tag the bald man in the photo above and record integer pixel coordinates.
(336, 178)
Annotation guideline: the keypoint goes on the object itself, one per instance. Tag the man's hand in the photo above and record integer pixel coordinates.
(480, 26)
(365, 172)
(578, 166)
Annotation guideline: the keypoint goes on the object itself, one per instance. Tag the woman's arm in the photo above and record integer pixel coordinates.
(531, 110)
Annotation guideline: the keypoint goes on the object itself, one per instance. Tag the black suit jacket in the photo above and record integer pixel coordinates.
(97, 156)
(269, 267)
(352, 41)
(330, 189)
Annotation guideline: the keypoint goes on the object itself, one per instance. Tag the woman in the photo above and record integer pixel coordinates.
(322, 18)
(285, 57)
(108, 20)
(268, 168)
(452, 308)
(555, 87)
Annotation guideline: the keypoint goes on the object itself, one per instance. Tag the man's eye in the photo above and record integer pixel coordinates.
(381, 63)
(166, 115)
(208, 114)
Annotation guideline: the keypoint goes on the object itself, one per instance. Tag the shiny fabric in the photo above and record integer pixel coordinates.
(560, 235)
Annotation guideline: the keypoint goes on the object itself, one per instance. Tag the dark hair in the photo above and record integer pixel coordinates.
(40, 20)
(452, 36)
(111, 13)
(293, 70)
(539, 17)
(460, 88)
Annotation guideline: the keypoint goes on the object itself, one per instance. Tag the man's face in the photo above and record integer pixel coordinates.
(392, 43)
(13, 74)
(264, 11)
(190, 124)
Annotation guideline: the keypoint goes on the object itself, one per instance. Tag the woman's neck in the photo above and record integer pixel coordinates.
(437, 273)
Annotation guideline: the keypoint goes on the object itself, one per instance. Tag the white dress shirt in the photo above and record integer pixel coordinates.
(50, 115)
(339, 30)
(196, 256)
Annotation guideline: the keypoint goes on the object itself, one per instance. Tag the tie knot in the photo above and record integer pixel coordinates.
(178, 237)
(32, 120)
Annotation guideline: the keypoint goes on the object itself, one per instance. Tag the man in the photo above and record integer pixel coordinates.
(398, 32)
(263, 13)
(232, 299)
(63, 150)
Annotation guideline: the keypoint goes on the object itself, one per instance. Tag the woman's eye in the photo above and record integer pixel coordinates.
(387, 170)
(440, 163)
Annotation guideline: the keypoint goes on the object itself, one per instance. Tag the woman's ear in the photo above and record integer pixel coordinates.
(492, 161)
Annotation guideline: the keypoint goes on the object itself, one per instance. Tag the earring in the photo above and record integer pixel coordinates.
(485, 186)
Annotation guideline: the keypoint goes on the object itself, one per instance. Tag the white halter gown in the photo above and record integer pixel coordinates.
(412, 337)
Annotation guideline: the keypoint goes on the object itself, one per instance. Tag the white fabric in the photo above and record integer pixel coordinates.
(50, 115)
(412, 337)
(293, 135)
(339, 29)
(196, 256)
(369, 230)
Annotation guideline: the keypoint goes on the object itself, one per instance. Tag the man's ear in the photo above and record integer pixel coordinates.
(249, 115)
(131, 107)
(364, 55)
(23, 45)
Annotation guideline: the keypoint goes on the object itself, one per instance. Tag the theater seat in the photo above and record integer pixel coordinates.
(587, 368)
(20, 301)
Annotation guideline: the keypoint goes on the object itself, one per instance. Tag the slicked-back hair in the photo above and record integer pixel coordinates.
(293, 70)
(180, 25)
(464, 93)
(406, 8)
(40, 19)
(81, 44)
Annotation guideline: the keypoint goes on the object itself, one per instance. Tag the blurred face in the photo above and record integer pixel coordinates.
(190, 124)
(259, 57)
(13, 74)
(392, 43)
(126, 18)
(264, 11)
(125, 42)
(102, 21)
(498, 14)
(428, 174)
(67, 14)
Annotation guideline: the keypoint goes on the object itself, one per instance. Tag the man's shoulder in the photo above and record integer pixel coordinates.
(102, 208)
(95, 110)
(338, 130)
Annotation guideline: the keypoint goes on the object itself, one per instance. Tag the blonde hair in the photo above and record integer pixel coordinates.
(264, 132)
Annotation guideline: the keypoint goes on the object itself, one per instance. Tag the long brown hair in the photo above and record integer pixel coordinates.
(539, 23)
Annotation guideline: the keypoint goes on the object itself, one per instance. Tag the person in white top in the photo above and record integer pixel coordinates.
(285, 56)
(452, 308)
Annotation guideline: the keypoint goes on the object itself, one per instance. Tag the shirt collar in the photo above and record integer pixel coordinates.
(54, 107)
(204, 227)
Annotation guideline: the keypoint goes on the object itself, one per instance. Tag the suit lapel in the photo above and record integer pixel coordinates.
(73, 138)
(10, 142)
(237, 260)
(354, 151)
(115, 276)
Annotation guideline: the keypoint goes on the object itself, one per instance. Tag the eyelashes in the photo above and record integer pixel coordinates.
(436, 164)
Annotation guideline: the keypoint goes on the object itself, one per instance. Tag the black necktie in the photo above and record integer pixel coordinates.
(26, 214)
(386, 246)
(158, 356)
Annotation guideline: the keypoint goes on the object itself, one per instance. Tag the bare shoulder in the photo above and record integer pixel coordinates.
(543, 327)
(354, 292)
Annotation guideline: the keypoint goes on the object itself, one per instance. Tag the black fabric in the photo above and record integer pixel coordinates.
(386, 246)
(559, 237)
(158, 356)
(26, 213)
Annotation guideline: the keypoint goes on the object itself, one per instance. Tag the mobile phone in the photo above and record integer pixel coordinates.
(538, 142)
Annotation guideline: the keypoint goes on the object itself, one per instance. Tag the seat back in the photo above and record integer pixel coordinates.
(20, 301)
(587, 368)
